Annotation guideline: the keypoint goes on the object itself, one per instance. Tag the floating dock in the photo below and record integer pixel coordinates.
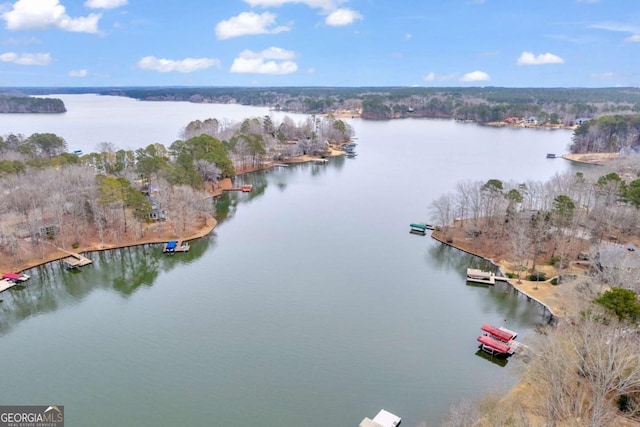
(420, 228)
(176, 246)
(75, 261)
(479, 276)
(383, 419)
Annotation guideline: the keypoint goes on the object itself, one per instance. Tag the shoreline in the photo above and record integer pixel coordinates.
(525, 287)
(205, 229)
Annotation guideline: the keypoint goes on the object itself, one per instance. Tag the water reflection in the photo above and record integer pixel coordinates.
(124, 271)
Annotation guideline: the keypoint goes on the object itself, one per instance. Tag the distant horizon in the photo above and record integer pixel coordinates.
(320, 43)
(439, 88)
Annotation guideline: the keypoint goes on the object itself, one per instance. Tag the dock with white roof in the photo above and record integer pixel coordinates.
(383, 419)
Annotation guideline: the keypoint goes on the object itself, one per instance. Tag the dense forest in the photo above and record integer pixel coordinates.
(489, 104)
(56, 197)
(607, 134)
(27, 104)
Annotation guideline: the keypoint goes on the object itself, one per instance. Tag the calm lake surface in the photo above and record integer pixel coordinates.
(310, 305)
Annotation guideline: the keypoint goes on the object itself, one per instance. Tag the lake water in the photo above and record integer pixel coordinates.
(310, 305)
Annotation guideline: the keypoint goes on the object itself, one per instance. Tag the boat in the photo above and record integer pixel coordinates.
(382, 419)
(494, 347)
(16, 277)
(551, 156)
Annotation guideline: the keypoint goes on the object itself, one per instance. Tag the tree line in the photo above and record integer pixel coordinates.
(480, 104)
(607, 134)
(27, 104)
(53, 196)
(588, 367)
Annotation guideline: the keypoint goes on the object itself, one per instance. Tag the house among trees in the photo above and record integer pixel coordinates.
(157, 213)
(532, 120)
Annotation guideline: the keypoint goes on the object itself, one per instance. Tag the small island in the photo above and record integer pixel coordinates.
(10, 104)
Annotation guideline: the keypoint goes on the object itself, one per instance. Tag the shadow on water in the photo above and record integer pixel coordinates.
(500, 361)
(124, 271)
(500, 297)
(448, 257)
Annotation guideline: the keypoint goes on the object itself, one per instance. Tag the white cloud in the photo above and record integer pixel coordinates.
(21, 42)
(528, 58)
(186, 65)
(248, 23)
(274, 60)
(429, 77)
(311, 71)
(432, 77)
(475, 76)
(619, 27)
(315, 4)
(408, 36)
(26, 58)
(78, 73)
(105, 4)
(45, 14)
(342, 17)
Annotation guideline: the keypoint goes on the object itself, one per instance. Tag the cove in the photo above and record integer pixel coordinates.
(310, 303)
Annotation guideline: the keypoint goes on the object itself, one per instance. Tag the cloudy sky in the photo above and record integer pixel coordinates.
(513, 43)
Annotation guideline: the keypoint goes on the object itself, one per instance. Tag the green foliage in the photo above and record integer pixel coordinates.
(537, 277)
(45, 145)
(554, 281)
(493, 185)
(75, 245)
(206, 147)
(151, 160)
(554, 260)
(563, 209)
(514, 196)
(606, 179)
(8, 167)
(632, 193)
(622, 302)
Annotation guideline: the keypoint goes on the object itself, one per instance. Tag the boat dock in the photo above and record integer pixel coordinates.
(75, 261)
(244, 188)
(420, 228)
(479, 276)
(6, 284)
(176, 246)
(383, 419)
(500, 341)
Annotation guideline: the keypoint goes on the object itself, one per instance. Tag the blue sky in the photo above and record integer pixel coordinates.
(511, 43)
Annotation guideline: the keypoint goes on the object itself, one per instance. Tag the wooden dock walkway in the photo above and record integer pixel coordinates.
(478, 276)
(6, 284)
(75, 261)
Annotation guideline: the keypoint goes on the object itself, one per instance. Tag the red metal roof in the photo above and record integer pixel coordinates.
(498, 333)
(12, 276)
(494, 344)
